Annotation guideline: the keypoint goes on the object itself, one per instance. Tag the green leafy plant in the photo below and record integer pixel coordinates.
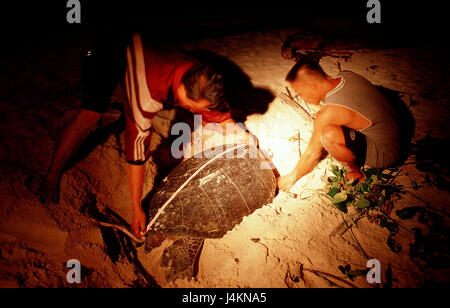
(372, 197)
(377, 190)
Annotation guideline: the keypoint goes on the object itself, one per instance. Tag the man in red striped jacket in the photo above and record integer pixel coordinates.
(154, 75)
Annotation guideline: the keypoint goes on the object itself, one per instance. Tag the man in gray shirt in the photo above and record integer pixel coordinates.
(356, 124)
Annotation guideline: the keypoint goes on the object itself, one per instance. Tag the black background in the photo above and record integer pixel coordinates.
(415, 22)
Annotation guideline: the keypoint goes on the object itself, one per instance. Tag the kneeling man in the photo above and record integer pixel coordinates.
(356, 124)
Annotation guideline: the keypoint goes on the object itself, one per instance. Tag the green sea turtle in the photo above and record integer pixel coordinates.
(204, 198)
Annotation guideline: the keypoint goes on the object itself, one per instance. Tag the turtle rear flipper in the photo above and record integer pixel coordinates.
(182, 258)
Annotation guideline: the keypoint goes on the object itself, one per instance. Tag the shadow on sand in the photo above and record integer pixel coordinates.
(406, 122)
(243, 97)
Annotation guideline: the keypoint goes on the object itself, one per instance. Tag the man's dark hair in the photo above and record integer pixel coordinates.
(307, 63)
(205, 82)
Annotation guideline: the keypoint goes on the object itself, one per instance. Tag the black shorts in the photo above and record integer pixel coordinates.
(356, 142)
(103, 68)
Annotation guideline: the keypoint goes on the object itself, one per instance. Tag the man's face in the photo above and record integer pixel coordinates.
(187, 103)
(308, 91)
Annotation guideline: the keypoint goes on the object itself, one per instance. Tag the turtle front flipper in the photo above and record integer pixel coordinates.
(182, 258)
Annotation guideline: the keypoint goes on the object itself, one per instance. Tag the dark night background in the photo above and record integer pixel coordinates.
(409, 23)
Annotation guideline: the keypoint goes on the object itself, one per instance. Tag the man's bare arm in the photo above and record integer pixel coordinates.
(137, 173)
(312, 155)
(306, 163)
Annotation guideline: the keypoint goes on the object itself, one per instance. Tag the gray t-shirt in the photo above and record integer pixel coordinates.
(358, 94)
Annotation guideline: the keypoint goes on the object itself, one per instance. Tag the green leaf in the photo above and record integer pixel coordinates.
(336, 185)
(362, 187)
(362, 203)
(336, 171)
(374, 178)
(339, 197)
(333, 192)
(332, 179)
(341, 207)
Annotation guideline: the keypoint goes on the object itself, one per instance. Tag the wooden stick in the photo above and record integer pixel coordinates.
(293, 104)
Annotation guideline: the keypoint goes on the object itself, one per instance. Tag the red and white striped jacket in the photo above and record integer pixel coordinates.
(152, 76)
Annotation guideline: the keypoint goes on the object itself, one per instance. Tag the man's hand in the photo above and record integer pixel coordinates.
(137, 173)
(285, 182)
(139, 227)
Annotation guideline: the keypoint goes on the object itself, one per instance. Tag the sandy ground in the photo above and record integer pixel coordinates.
(268, 248)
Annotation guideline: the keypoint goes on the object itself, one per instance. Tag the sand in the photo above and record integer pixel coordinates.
(269, 247)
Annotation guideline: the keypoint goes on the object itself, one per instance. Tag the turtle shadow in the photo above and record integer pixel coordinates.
(243, 98)
(406, 122)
